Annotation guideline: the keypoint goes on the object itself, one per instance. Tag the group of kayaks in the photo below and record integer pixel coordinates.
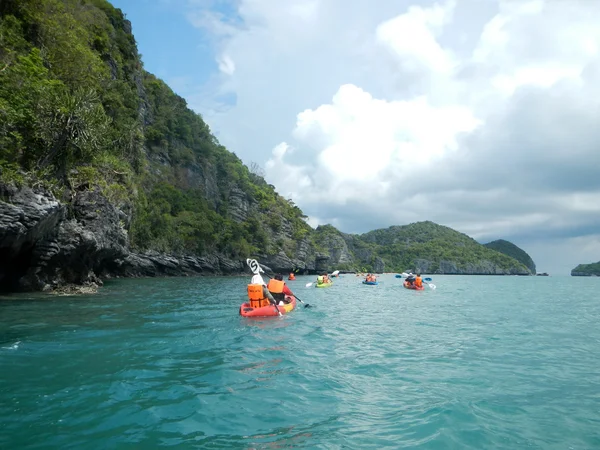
(259, 307)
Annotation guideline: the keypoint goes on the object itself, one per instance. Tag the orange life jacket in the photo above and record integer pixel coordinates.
(275, 286)
(418, 282)
(255, 294)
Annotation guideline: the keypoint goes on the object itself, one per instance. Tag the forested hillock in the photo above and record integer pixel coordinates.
(586, 270)
(510, 249)
(419, 247)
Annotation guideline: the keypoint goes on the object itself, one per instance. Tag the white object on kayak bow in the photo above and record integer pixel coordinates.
(254, 266)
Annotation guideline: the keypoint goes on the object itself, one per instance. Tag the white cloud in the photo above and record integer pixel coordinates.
(226, 64)
(413, 37)
(364, 143)
(480, 116)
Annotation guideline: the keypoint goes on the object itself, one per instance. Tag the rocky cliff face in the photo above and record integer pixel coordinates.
(45, 244)
(28, 219)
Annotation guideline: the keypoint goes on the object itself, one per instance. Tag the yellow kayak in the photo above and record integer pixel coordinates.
(324, 285)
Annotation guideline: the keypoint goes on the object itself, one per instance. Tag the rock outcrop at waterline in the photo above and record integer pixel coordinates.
(45, 244)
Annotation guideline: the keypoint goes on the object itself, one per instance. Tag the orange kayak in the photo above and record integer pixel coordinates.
(413, 287)
(268, 311)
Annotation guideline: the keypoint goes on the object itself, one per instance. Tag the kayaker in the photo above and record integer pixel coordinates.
(418, 281)
(258, 279)
(279, 289)
(410, 279)
(322, 279)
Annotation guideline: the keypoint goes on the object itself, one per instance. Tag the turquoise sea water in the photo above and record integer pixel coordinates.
(479, 363)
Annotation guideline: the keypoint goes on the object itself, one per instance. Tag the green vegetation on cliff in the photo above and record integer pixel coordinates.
(510, 249)
(422, 246)
(77, 111)
(586, 270)
(426, 246)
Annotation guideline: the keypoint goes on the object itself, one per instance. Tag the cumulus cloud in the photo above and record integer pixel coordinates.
(482, 117)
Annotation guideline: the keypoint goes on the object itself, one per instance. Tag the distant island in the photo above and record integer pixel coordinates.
(105, 172)
(510, 249)
(586, 270)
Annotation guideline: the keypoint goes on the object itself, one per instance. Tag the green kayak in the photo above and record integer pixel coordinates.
(323, 285)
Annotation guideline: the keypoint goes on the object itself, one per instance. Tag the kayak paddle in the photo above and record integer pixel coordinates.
(306, 305)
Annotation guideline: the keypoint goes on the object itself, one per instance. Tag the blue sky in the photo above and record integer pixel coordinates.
(171, 47)
(482, 116)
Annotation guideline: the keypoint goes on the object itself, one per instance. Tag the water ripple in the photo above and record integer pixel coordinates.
(481, 362)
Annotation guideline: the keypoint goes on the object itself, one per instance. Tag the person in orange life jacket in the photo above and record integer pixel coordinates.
(418, 281)
(257, 279)
(279, 289)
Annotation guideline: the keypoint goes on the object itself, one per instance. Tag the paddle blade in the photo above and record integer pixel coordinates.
(309, 284)
(335, 272)
(432, 286)
(404, 274)
(254, 266)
